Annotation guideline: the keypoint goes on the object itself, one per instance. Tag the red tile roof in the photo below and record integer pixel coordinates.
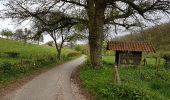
(130, 46)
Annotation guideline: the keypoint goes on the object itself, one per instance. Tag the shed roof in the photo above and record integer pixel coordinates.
(130, 46)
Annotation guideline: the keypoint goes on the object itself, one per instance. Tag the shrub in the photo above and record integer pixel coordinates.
(51, 59)
(64, 57)
(6, 67)
(73, 54)
(40, 61)
(109, 53)
(80, 48)
(167, 60)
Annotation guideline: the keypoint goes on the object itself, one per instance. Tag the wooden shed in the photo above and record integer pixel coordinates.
(129, 53)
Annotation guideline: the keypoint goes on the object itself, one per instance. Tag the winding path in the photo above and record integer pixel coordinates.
(51, 85)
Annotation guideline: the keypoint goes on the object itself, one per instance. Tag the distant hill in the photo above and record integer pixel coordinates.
(158, 35)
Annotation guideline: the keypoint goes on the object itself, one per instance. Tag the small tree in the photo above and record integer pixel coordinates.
(7, 33)
(50, 43)
(26, 35)
(38, 38)
(23, 35)
(18, 34)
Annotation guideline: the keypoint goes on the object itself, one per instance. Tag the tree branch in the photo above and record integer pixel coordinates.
(74, 2)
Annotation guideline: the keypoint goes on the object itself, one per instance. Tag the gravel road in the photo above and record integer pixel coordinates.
(51, 85)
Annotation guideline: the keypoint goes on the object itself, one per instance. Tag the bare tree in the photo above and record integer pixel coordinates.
(60, 32)
(27, 34)
(23, 35)
(94, 14)
(18, 34)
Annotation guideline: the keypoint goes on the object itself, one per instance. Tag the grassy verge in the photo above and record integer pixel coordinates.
(144, 83)
(13, 73)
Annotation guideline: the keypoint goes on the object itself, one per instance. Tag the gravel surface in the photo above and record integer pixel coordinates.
(54, 84)
(77, 93)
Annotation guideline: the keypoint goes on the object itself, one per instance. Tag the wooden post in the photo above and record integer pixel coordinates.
(144, 61)
(116, 75)
(115, 69)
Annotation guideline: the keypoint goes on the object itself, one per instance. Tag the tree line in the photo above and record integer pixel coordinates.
(24, 35)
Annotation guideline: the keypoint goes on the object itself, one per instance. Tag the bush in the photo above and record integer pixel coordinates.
(73, 54)
(51, 59)
(167, 57)
(167, 60)
(80, 48)
(109, 53)
(6, 67)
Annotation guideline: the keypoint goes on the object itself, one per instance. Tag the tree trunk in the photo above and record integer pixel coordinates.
(59, 54)
(38, 42)
(96, 22)
(57, 49)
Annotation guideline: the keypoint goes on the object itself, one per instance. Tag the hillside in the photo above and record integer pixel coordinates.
(18, 59)
(25, 51)
(158, 35)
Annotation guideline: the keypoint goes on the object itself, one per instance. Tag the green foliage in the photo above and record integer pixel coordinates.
(137, 83)
(166, 57)
(72, 54)
(6, 67)
(108, 52)
(6, 33)
(80, 48)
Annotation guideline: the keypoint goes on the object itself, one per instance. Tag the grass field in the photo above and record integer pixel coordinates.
(142, 83)
(26, 51)
(18, 59)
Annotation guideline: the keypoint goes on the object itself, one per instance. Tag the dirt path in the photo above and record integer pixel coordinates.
(51, 85)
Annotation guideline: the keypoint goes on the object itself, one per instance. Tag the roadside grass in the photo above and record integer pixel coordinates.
(19, 60)
(142, 83)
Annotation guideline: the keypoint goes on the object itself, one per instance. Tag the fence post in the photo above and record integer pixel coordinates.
(116, 74)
